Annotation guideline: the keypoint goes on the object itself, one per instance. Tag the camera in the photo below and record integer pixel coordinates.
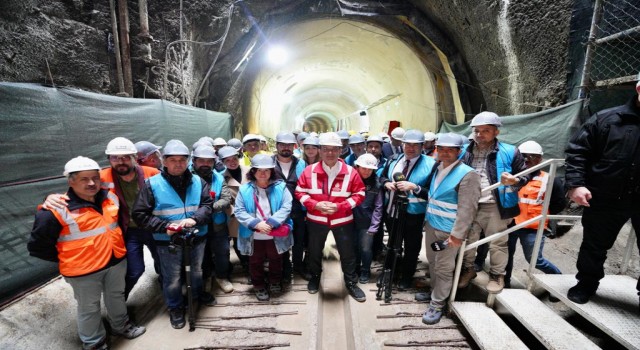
(183, 236)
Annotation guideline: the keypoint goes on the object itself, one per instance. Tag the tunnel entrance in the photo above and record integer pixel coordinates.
(342, 74)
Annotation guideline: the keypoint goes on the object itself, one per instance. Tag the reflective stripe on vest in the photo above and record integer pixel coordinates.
(89, 239)
(531, 197)
(443, 199)
(169, 206)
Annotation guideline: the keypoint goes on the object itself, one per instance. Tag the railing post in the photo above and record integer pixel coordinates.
(541, 224)
(631, 243)
(456, 273)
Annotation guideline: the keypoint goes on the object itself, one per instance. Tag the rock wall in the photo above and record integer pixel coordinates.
(509, 56)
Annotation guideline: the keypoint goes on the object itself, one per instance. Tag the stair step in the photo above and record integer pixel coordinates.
(551, 329)
(486, 327)
(614, 308)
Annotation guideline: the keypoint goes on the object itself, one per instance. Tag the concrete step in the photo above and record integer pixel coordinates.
(614, 308)
(486, 327)
(551, 329)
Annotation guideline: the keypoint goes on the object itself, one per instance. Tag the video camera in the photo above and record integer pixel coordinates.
(183, 237)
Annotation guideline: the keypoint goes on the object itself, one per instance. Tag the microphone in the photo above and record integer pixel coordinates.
(400, 177)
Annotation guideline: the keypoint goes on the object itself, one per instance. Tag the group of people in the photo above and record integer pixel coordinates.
(278, 207)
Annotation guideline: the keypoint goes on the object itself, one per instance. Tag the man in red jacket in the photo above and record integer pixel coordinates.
(330, 189)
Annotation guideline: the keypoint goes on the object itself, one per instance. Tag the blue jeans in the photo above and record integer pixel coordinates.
(364, 251)
(171, 267)
(135, 240)
(527, 240)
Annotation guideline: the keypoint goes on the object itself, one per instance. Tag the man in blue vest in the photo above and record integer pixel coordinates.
(453, 201)
(415, 167)
(288, 168)
(494, 161)
(216, 250)
(169, 202)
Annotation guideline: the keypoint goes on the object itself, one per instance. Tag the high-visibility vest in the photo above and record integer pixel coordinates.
(89, 239)
(442, 208)
(169, 205)
(217, 180)
(530, 198)
(106, 176)
(418, 175)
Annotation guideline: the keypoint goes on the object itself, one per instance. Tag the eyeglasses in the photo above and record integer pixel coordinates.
(123, 159)
(531, 156)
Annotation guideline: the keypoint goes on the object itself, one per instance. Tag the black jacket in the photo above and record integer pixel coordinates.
(146, 202)
(291, 179)
(604, 155)
(517, 165)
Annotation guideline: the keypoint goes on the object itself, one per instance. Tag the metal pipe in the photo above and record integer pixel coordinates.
(124, 41)
(544, 164)
(619, 35)
(456, 273)
(541, 224)
(116, 46)
(591, 46)
(144, 19)
(631, 243)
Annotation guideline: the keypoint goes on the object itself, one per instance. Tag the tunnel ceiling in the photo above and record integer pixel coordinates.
(335, 70)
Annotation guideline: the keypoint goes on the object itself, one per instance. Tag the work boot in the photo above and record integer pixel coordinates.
(101, 345)
(423, 297)
(496, 283)
(225, 285)
(405, 283)
(466, 276)
(355, 292)
(176, 317)
(130, 331)
(301, 271)
(432, 315)
(275, 288)
(365, 276)
(314, 284)
(580, 294)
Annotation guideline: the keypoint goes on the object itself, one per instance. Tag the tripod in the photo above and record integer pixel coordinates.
(393, 247)
(184, 238)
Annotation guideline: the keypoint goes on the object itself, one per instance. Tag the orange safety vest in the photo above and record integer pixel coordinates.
(106, 176)
(530, 198)
(88, 239)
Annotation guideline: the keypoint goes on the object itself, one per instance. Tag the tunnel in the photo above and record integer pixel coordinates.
(342, 74)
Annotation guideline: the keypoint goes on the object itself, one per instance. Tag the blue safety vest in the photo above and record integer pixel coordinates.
(443, 199)
(418, 176)
(169, 205)
(275, 201)
(216, 186)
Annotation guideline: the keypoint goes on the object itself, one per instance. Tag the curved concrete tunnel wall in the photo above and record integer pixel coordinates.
(335, 70)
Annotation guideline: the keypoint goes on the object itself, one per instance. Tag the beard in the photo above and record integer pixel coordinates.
(204, 171)
(285, 153)
(123, 170)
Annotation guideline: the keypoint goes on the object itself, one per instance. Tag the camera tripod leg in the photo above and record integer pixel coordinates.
(187, 269)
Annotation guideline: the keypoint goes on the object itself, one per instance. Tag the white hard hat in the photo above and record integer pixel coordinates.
(120, 146)
(262, 161)
(175, 148)
(398, 133)
(145, 149)
(486, 118)
(450, 140)
(285, 137)
(412, 136)
(204, 151)
(343, 134)
(313, 134)
(429, 136)
(368, 161)
(530, 147)
(356, 138)
(302, 136)
(311, 140)
(250, 137)
(219, 141)
(375, 138)
(262, 138)
(227, 151)
(330, 139)
(235, 143)
(208, 139)
(80, 163)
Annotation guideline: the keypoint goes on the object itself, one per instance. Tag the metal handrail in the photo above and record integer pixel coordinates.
(553, 164)
(543, 217)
